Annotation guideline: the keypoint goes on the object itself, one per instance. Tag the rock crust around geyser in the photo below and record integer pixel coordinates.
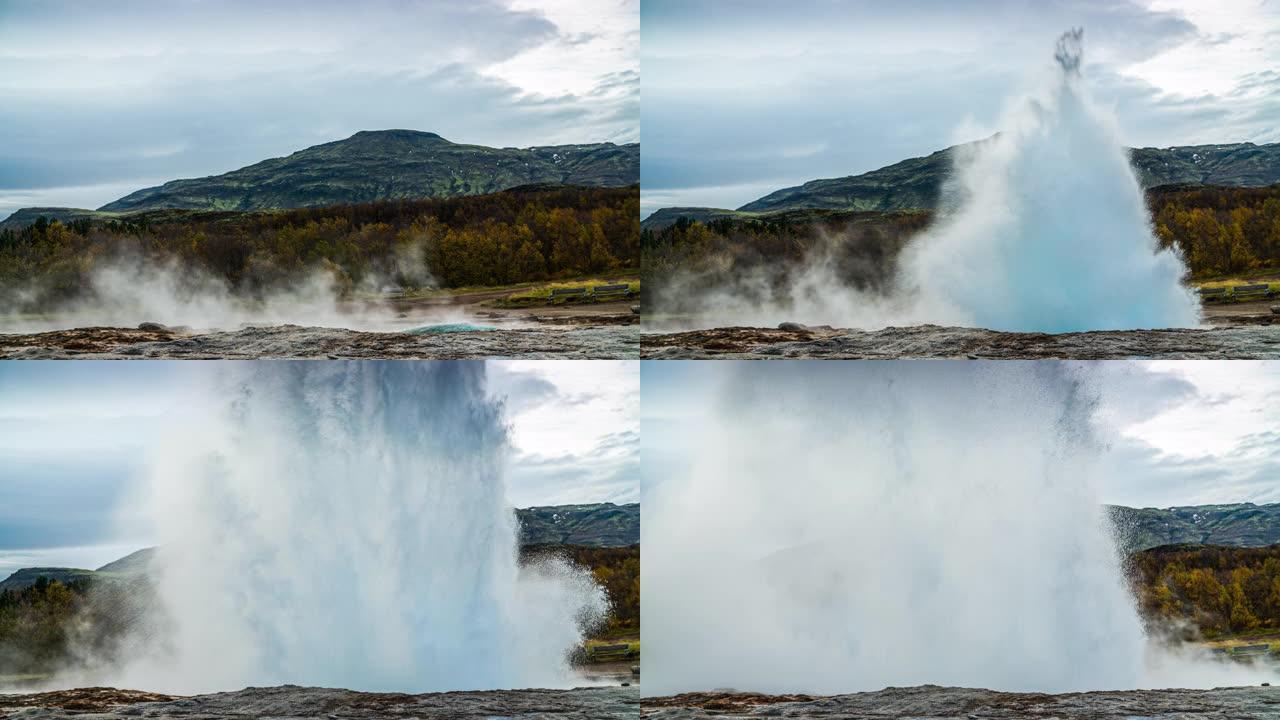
(942, 703)
(303, 703)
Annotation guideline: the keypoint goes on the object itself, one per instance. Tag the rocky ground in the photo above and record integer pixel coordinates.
(939, 703)
(299, 703)
(933, 341)
(619, 340)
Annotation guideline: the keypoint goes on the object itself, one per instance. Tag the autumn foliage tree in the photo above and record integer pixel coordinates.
(1215, 589)
(508, 237)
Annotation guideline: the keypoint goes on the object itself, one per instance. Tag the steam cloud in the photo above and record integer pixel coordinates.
(863, 525)
(345, 525)
(1050, 231)
(1043, 228)
(126, 288)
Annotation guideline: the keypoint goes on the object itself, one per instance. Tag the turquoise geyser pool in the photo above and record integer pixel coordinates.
(449, 328)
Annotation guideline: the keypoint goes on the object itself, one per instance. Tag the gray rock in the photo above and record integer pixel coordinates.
(943, 703)
(293, 341)
(302, 703)
(793, 327)
(933, 341)
(154, 327)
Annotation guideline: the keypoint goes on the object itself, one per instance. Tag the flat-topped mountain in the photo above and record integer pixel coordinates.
(1235, 525)
(916, 183)
(389, 165)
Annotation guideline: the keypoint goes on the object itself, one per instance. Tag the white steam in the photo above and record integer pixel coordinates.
(346, 525)
(1042, 228)
(845, 527)
(127, 289)
(1050, 230)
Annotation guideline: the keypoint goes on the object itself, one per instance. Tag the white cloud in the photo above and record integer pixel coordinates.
(1234, 38)
(731, 91)
(160, 90)
(1190, 433)
(593, 41)
(575, 429)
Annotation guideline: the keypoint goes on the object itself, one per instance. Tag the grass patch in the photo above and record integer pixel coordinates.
(543, 295)
(23, 679)
(1253, 637)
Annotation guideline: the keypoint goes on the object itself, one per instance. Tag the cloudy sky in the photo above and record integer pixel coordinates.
(742, 97)
(1177, 433)
(100, 99)
(74, 439)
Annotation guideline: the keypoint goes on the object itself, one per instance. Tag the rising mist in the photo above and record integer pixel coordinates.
(1041, 228)
(343, 525)
(861, 525)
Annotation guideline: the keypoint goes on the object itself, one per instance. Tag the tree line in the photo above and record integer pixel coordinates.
(508, 237)
(1218, 590)
(861, 248)
(53, 625)
(1218, 231)
(34, 624)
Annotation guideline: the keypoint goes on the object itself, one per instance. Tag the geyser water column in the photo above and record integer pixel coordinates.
(845, 526)
(1045, 226)
(345, 524)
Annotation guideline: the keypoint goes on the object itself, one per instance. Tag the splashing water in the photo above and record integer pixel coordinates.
(863, 525)
(445, 328)
(345, 525)
(1049, 231)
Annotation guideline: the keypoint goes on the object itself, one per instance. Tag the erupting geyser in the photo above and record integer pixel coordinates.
(1047, 229)
(846, 526)
(345, 525)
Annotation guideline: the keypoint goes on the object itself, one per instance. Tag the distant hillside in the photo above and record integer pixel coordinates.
(26, 577)
(916, 183)
(390, 165)
(595, 525)
(1235, 525)
(131, 564)
(28, 216)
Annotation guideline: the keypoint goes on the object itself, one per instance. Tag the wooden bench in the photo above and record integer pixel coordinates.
(568, 292)
(1213, 292)
(610, 653)
(622, 290)
(1258, 290)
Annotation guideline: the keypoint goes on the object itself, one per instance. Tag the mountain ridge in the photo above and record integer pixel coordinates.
(369, 166)
(1230, 524)
(916, 183)
(389, 164)
(598, 525)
